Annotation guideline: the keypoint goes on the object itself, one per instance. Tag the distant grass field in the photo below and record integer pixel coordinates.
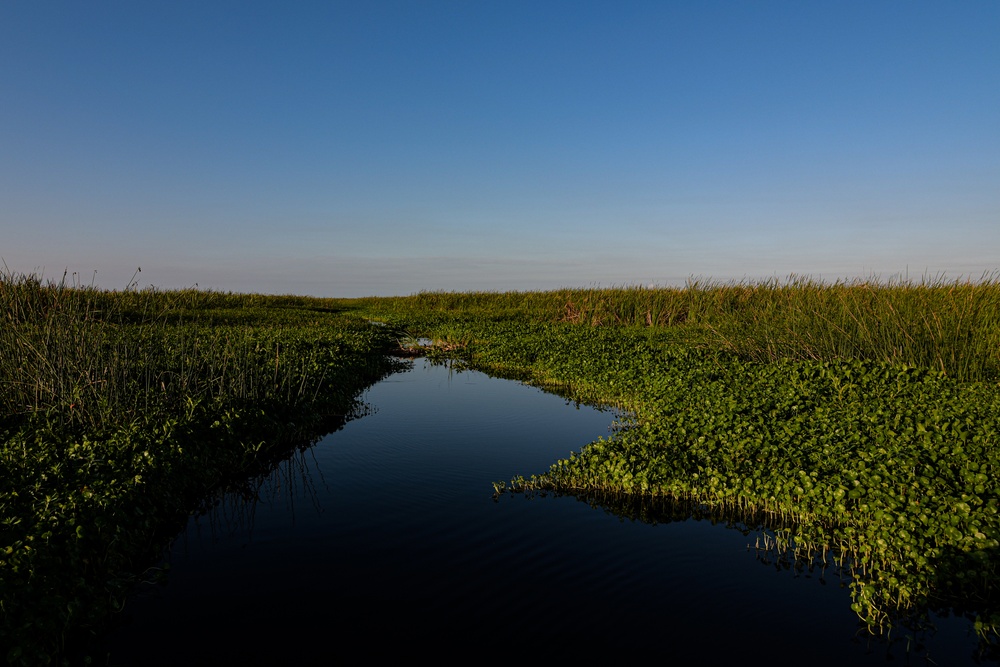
(953, 327)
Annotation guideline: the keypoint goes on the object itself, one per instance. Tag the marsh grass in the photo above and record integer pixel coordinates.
(96, 358)
(952, 327)
(120, 411)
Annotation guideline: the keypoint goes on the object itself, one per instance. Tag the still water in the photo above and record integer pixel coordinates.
(383, 540)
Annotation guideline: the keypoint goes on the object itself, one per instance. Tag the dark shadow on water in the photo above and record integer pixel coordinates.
(967, 586)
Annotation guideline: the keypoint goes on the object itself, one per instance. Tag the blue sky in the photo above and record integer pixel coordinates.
(377, 148)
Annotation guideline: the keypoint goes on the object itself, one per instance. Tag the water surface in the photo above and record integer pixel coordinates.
(384, 537)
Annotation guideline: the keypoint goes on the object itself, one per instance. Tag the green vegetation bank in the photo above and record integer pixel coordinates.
(122, 412)
(860, 422)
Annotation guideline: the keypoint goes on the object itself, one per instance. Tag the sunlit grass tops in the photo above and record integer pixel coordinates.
(952, 327)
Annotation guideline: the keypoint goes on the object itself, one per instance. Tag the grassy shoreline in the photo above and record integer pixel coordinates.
(883, 454)
(123, 411)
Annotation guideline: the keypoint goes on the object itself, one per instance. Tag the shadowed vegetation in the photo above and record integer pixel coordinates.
(122, 411)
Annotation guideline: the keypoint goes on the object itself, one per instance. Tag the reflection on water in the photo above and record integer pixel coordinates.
(384, 537)
(776, 542)
(297, 482)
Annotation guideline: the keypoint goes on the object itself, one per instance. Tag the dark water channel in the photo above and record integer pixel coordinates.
(383, 540)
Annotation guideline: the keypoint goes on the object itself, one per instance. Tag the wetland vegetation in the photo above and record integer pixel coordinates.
(863, 419)
(858, 421)
(122, 411)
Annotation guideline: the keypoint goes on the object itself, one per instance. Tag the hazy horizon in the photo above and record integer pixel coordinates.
(387, 148)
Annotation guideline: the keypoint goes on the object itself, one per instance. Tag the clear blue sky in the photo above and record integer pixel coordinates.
(356, 148)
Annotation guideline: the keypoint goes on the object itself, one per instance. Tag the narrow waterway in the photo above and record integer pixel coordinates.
(384, 538)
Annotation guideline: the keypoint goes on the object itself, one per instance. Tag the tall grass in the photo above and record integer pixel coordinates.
(96, 357)
(950, 327)
(953, 327)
